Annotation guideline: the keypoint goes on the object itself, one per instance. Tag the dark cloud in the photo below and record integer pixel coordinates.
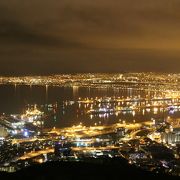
(75, 35)
(12, 32)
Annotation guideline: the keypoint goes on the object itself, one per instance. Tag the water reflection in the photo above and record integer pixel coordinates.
(65, 109)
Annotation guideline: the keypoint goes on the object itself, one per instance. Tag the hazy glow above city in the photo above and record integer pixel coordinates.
(67, 36)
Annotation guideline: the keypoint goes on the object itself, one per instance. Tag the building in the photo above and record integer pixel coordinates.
(171, 137)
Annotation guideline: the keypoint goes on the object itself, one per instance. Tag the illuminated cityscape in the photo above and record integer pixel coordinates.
(89, 90)
(134, 116)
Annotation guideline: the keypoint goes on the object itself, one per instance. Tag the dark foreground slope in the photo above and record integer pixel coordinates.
(111, 170)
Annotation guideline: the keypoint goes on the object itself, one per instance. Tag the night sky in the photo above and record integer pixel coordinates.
(68, 36)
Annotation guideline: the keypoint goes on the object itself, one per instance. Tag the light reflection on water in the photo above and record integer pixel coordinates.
(14, 99)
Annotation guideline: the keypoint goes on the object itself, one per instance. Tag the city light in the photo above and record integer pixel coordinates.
(137, 127)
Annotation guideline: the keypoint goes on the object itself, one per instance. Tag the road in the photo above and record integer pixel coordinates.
(36, 153)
